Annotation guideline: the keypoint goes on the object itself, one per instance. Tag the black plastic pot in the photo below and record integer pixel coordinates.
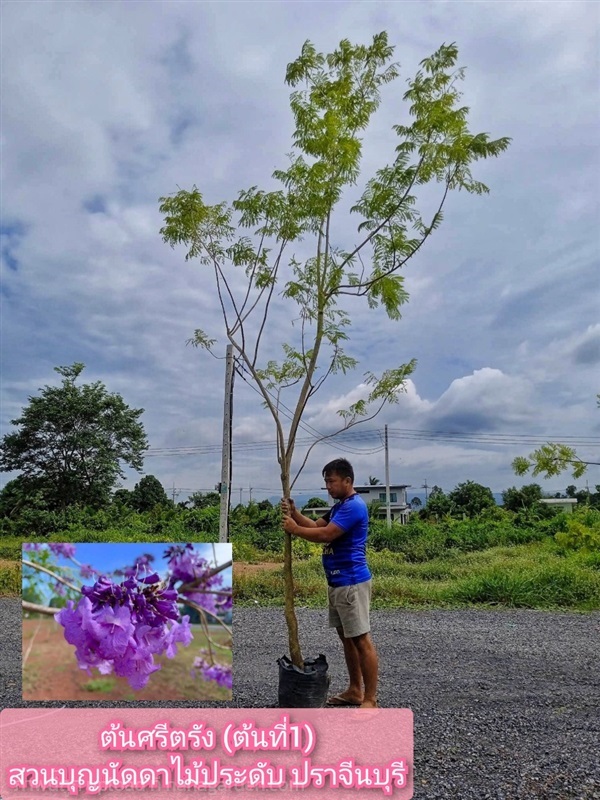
(303, 688)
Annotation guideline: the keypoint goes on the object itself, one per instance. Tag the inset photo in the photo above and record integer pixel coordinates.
(127, 622)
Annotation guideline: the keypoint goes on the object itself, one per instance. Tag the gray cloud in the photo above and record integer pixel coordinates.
(587, 352)
(106, 108)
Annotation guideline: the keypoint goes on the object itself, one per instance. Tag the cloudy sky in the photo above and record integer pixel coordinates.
(108, 106)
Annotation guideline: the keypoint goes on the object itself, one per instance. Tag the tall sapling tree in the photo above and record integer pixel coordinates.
(339, 95)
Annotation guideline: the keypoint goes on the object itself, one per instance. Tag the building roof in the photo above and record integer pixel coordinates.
(381, 486)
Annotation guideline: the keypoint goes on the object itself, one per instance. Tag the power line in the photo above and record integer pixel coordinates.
(289, 414)
(395, 433)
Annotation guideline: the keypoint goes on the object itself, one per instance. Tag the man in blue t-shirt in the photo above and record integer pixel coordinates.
(343, 533)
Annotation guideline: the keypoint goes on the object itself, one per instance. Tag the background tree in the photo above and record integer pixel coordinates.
(526, 497)
(470, 499)
(373, 481)
(438, 503)
(148, 493)
(72, 441)
(19, 494)
(416, 502)
(204, 500)
(585, 497)
(315, 502)
(261, 516)
(122, 497)
(340, 93)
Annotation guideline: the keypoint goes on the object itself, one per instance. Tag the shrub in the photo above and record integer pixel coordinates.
(550, 585)
(10, 549)
(582, 532)
(10, 579)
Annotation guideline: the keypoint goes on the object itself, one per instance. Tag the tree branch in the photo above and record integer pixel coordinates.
(331, 435)
(381, 225)
(267, 304)
(40, 609)
(207, 576)
(310, 369)
(201, 610)
(252, 273)
(369, 284)
(56, 577)
(265, 394)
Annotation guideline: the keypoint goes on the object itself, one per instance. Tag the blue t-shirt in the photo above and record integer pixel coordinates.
(345, 559)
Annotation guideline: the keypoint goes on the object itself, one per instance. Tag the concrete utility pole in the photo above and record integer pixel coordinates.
(426, 487)
(224, 486)
(388, 510)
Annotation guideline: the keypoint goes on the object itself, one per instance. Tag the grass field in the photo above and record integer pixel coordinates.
(534, 575)
(50, 671)
(10, 577)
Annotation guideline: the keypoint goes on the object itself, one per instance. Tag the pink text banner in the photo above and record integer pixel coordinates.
(164, 754)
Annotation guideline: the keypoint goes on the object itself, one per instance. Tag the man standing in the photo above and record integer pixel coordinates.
(343, 533)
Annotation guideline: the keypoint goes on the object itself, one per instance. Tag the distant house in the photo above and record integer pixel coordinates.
(316, 511)
(399, 507)
(561, 503)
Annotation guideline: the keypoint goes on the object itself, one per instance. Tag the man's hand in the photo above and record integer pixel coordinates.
(289, 526)
(287, 506)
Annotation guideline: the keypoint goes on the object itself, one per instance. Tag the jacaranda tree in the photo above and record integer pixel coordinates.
(251, 245)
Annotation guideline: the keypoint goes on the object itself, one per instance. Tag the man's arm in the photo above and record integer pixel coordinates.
(321, 532)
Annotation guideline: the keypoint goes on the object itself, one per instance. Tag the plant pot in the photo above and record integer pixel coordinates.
(303, 688)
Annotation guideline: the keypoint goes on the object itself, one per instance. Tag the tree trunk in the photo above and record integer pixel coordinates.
(288, 577)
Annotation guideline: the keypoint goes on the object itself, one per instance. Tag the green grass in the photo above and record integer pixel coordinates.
(534, 575)
(99, 685)
(10, 578)
(10, 548)
(549, 585)
(455, 564)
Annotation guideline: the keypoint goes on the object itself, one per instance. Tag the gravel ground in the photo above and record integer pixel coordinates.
(506, 703)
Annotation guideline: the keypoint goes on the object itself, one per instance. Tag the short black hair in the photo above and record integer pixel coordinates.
(339, 466)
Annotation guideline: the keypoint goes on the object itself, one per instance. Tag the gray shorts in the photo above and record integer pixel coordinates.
(349, 608)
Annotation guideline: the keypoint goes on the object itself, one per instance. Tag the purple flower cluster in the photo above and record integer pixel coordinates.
(34, 546)
(221, 673)
(87, 571)
(122, 626)
(66, 550)
(141, 565)
(187, 566)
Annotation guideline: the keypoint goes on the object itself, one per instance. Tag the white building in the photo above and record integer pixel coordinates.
(565, 504)
(399, 507)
